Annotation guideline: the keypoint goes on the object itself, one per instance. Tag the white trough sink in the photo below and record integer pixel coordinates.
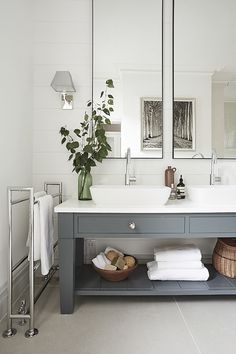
(134, 195)
(212, 194)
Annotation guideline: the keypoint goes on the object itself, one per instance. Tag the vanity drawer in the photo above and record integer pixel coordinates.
(212, 224)
(129, 224)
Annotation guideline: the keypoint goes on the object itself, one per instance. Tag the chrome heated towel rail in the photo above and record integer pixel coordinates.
(29, 313)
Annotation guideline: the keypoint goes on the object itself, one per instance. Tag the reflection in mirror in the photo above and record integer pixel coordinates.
(127, 48)
(204, 109)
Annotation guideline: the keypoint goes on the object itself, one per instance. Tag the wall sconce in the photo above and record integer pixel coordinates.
(62, 82)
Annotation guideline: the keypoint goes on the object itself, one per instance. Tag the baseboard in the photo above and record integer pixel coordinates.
(20, 285)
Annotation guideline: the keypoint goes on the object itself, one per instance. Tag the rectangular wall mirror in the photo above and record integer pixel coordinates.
(127, 48)
(204, 107)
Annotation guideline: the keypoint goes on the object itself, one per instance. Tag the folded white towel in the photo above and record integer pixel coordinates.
(101, 261)
(113, 249)
(187, 252)
(106, 260)
(179, 274)
(175, 265)
(151, 264)
(96, 263)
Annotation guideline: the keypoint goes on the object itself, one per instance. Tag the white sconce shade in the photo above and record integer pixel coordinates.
(62, 82)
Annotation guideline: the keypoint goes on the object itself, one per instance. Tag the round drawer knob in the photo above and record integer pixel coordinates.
(132, 225)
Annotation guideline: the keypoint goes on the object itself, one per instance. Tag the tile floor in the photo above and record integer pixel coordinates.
(131, 325)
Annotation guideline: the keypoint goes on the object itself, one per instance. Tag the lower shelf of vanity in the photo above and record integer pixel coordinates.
(88, 282)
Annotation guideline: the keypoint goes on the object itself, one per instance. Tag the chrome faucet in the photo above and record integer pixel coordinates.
(128, 178)
(213, 178)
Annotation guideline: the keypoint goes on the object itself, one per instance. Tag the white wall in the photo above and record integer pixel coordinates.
(16, 119)
(63, 42)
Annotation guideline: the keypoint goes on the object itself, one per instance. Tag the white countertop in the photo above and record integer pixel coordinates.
(176, 206)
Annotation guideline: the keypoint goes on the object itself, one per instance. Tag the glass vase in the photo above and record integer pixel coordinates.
(84, 184)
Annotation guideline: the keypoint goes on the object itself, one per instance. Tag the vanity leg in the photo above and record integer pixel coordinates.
(67, 274)
(79, 252)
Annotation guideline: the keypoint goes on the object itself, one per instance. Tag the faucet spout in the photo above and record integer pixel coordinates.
(214, 178)
(128, 178)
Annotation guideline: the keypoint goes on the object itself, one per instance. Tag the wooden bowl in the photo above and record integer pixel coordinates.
(115, 275)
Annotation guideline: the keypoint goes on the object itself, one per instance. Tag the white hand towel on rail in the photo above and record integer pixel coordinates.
(43, 231)
(175, 265)
(179, 274)
(187, 252)
(46, 230)
(37, 233)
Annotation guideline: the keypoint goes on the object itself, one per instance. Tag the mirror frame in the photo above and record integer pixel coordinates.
(162, 78)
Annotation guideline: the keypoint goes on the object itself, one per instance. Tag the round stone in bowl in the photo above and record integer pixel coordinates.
(111, 255)
(130, 261)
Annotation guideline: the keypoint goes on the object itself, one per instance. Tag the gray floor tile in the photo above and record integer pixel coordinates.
(135, 325)
(212, 322)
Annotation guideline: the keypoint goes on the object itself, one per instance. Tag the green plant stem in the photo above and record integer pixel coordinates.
(83, 183)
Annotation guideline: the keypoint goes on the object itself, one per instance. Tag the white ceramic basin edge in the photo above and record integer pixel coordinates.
(133, 195)
(212, 194)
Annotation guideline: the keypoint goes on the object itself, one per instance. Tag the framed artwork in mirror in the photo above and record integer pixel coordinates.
(184, 124)
(151, 124)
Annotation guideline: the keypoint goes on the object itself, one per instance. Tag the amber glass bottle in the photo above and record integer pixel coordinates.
(170, 176)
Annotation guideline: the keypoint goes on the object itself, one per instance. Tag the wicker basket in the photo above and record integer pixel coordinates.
(115, 275)
(224, 257)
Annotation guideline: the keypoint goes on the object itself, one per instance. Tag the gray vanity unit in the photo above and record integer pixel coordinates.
(80, 220)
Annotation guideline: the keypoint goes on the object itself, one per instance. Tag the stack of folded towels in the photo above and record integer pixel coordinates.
(181, 262)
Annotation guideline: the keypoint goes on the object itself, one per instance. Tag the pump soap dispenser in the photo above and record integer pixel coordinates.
(170, 176)
(181, 188)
